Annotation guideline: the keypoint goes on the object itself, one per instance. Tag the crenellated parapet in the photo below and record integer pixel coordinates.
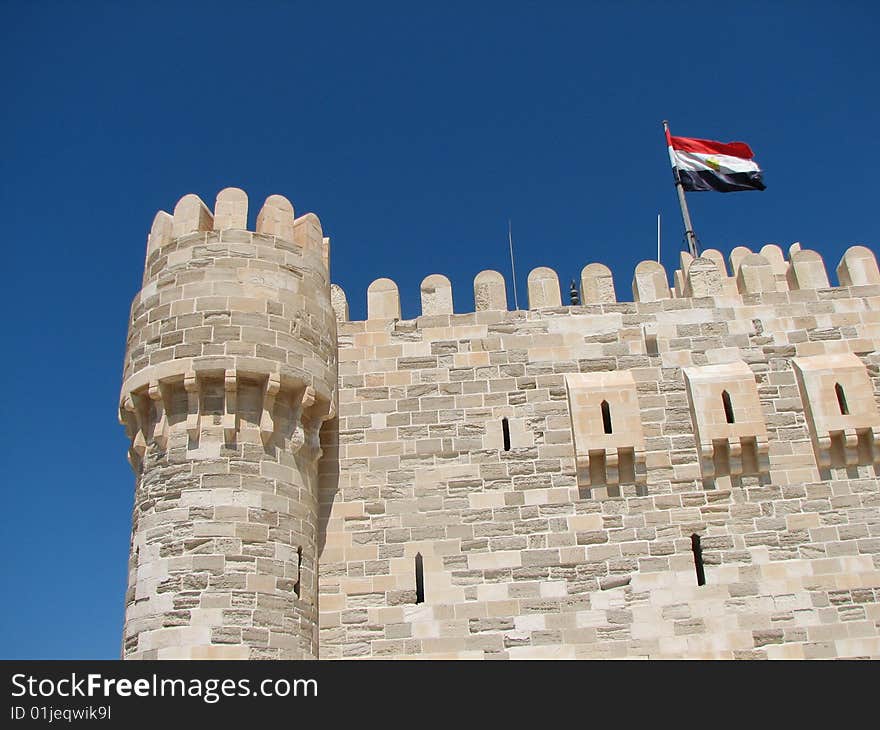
(745, 273)
(193, 223)
(220, 299)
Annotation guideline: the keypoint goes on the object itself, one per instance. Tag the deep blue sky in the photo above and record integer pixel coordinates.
(414, 132)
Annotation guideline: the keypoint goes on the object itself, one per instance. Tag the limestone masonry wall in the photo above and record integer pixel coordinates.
(690, 474)
(567, 539)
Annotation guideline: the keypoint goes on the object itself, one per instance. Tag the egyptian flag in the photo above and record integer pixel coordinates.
(725, 167)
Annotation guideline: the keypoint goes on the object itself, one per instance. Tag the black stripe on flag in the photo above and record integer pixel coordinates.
(697, 181)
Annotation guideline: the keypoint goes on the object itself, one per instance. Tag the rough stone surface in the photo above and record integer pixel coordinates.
(471, 496)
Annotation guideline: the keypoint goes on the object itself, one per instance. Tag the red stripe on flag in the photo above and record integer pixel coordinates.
(709, 147)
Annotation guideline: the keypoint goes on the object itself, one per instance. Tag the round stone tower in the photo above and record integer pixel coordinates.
(230, 369)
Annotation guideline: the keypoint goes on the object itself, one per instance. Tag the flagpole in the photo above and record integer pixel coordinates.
(685, 213)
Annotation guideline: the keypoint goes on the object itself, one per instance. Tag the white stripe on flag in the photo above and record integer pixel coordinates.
(698, 162)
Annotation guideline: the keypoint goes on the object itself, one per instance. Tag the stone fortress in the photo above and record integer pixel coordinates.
(693, 473)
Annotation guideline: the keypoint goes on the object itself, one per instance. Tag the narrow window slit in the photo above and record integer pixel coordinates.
(505, 427)
(841, 399)
(606, 416)
(698, 559)
(728, 406)
(299, 562)
(420, 579)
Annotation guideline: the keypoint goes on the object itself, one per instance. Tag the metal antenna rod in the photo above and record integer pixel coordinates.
(658, 238)
(512, 267)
